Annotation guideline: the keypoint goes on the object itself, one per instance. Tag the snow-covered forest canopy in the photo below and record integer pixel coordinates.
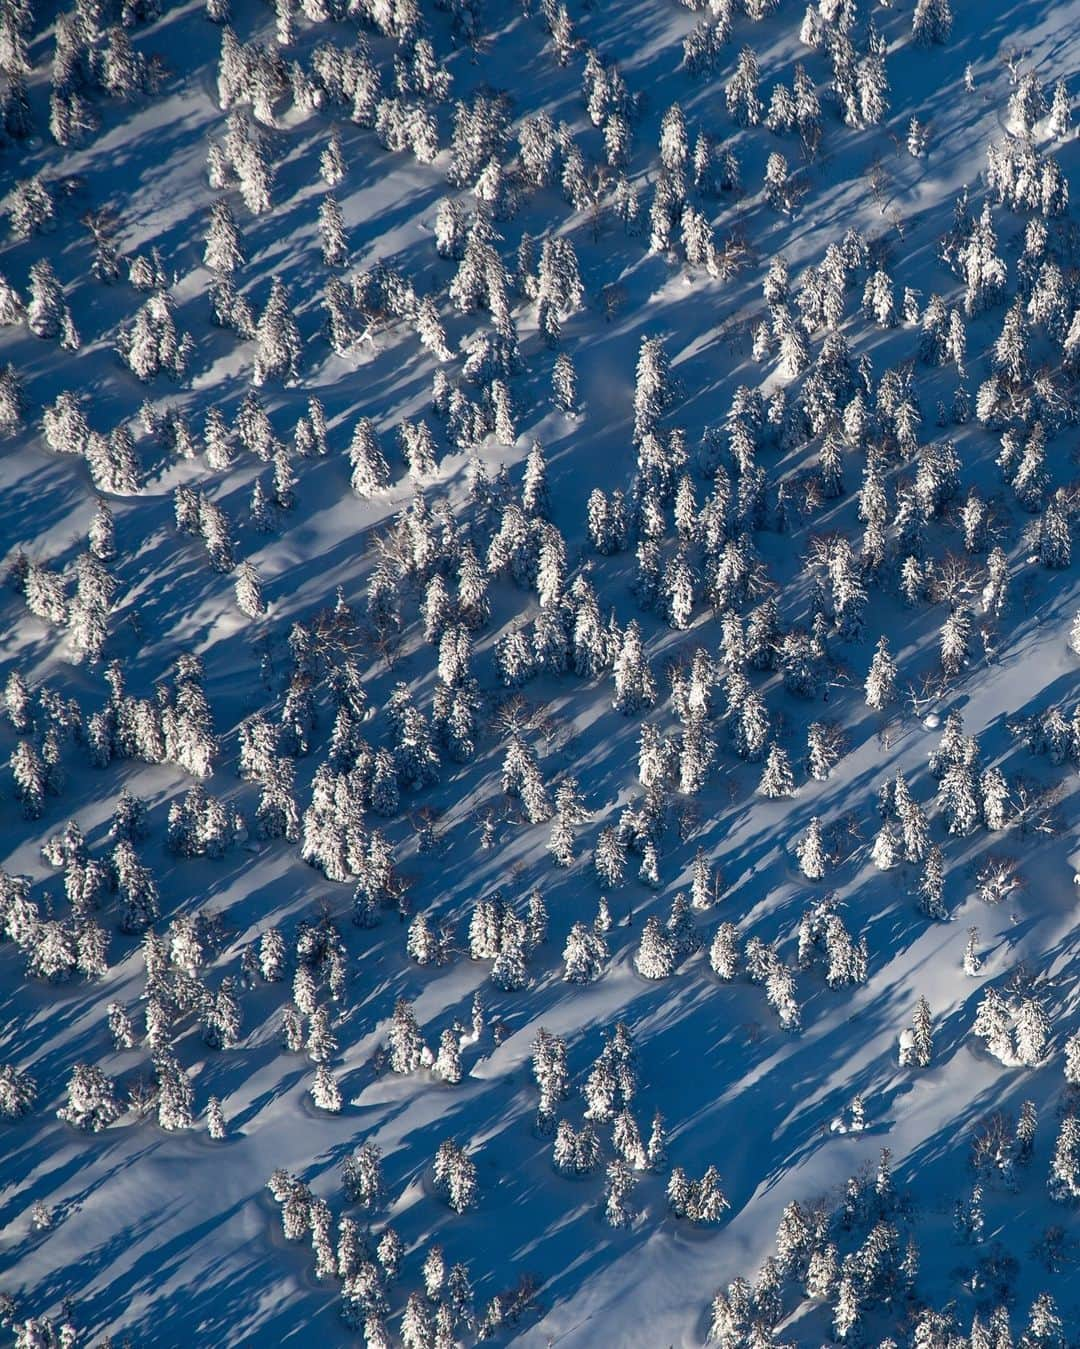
(539, 714)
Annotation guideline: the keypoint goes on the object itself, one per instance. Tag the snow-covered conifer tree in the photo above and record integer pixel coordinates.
(655, 958)
(455, 1177)
(91, 1099)
(335, 247)
(609, 857)
(584, 955)
(1064, 1181)
(325, 1092)
(724, 952)
(406, 1042)
(932, 22)
(224, 251)
(635, 687)
(277, 337)
(447, 1065)
(1032, 1030)
(332, 166)
(777, 779)
(811, 852)
(370, 472)
(743, 103)
(881, 680)
(993, 1024)
(362, 1178)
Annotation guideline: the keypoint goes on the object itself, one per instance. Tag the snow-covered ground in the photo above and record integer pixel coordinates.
(169, 1237)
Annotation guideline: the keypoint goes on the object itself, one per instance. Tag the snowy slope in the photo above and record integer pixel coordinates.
(170, 1237)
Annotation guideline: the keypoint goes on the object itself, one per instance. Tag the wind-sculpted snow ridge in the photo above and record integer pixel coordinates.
(540, 692)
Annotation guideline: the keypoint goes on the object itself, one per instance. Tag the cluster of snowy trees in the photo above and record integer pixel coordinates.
(202, 826)
(609, 1091)
(859, 1258)
(366, 1257)
(693, 524)
(53, 948)
(1014, 1035)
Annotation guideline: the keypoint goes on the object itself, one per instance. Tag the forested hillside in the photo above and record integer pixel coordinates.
(539, 708)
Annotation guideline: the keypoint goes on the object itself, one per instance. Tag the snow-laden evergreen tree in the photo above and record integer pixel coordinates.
(249, 596)
(881, 680)
(1054, 536)
(422, 942)
(521, 778)
(12, 400)
(102, 533)
(1026, 1125)
(681, 928)
(705, 883)
(325, 1092)
(777, 778)
(1032, 1030)
(362, 1178)
(135, 887)
(932, 22)
(569, 811)
(576, 1152)
(292, 1030)
(564, 394)
(551, 1075)
(18, 1092)
(993, 1024)
(406, 1041)
(455, 1177)
(28, 772)
(724, 952)
(418, 448)
(12, 309)
(121, 1026)
(609, 857)
(91, 1099)
(655, 958)
(44, 593)
(215, 1119)
(584, 955)
(335, 247)
(31, 208)
(741, 92)
(707, 1200)
(678, 588)
(931, 885)
(652, 392)
(635, 687)
(447, 1065)
(332, 166)
(916, 1045)
(224, 251)
(955, 641)
(277, 337)
(272, 955)
(812, 853)
(416, 1323)
(649, 871)
(509, 971)
(174, 1092)
(603, 922)
(322, 1044)
(618, 1187)
(370, 472)
(885, 852)
(1064, 1181)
